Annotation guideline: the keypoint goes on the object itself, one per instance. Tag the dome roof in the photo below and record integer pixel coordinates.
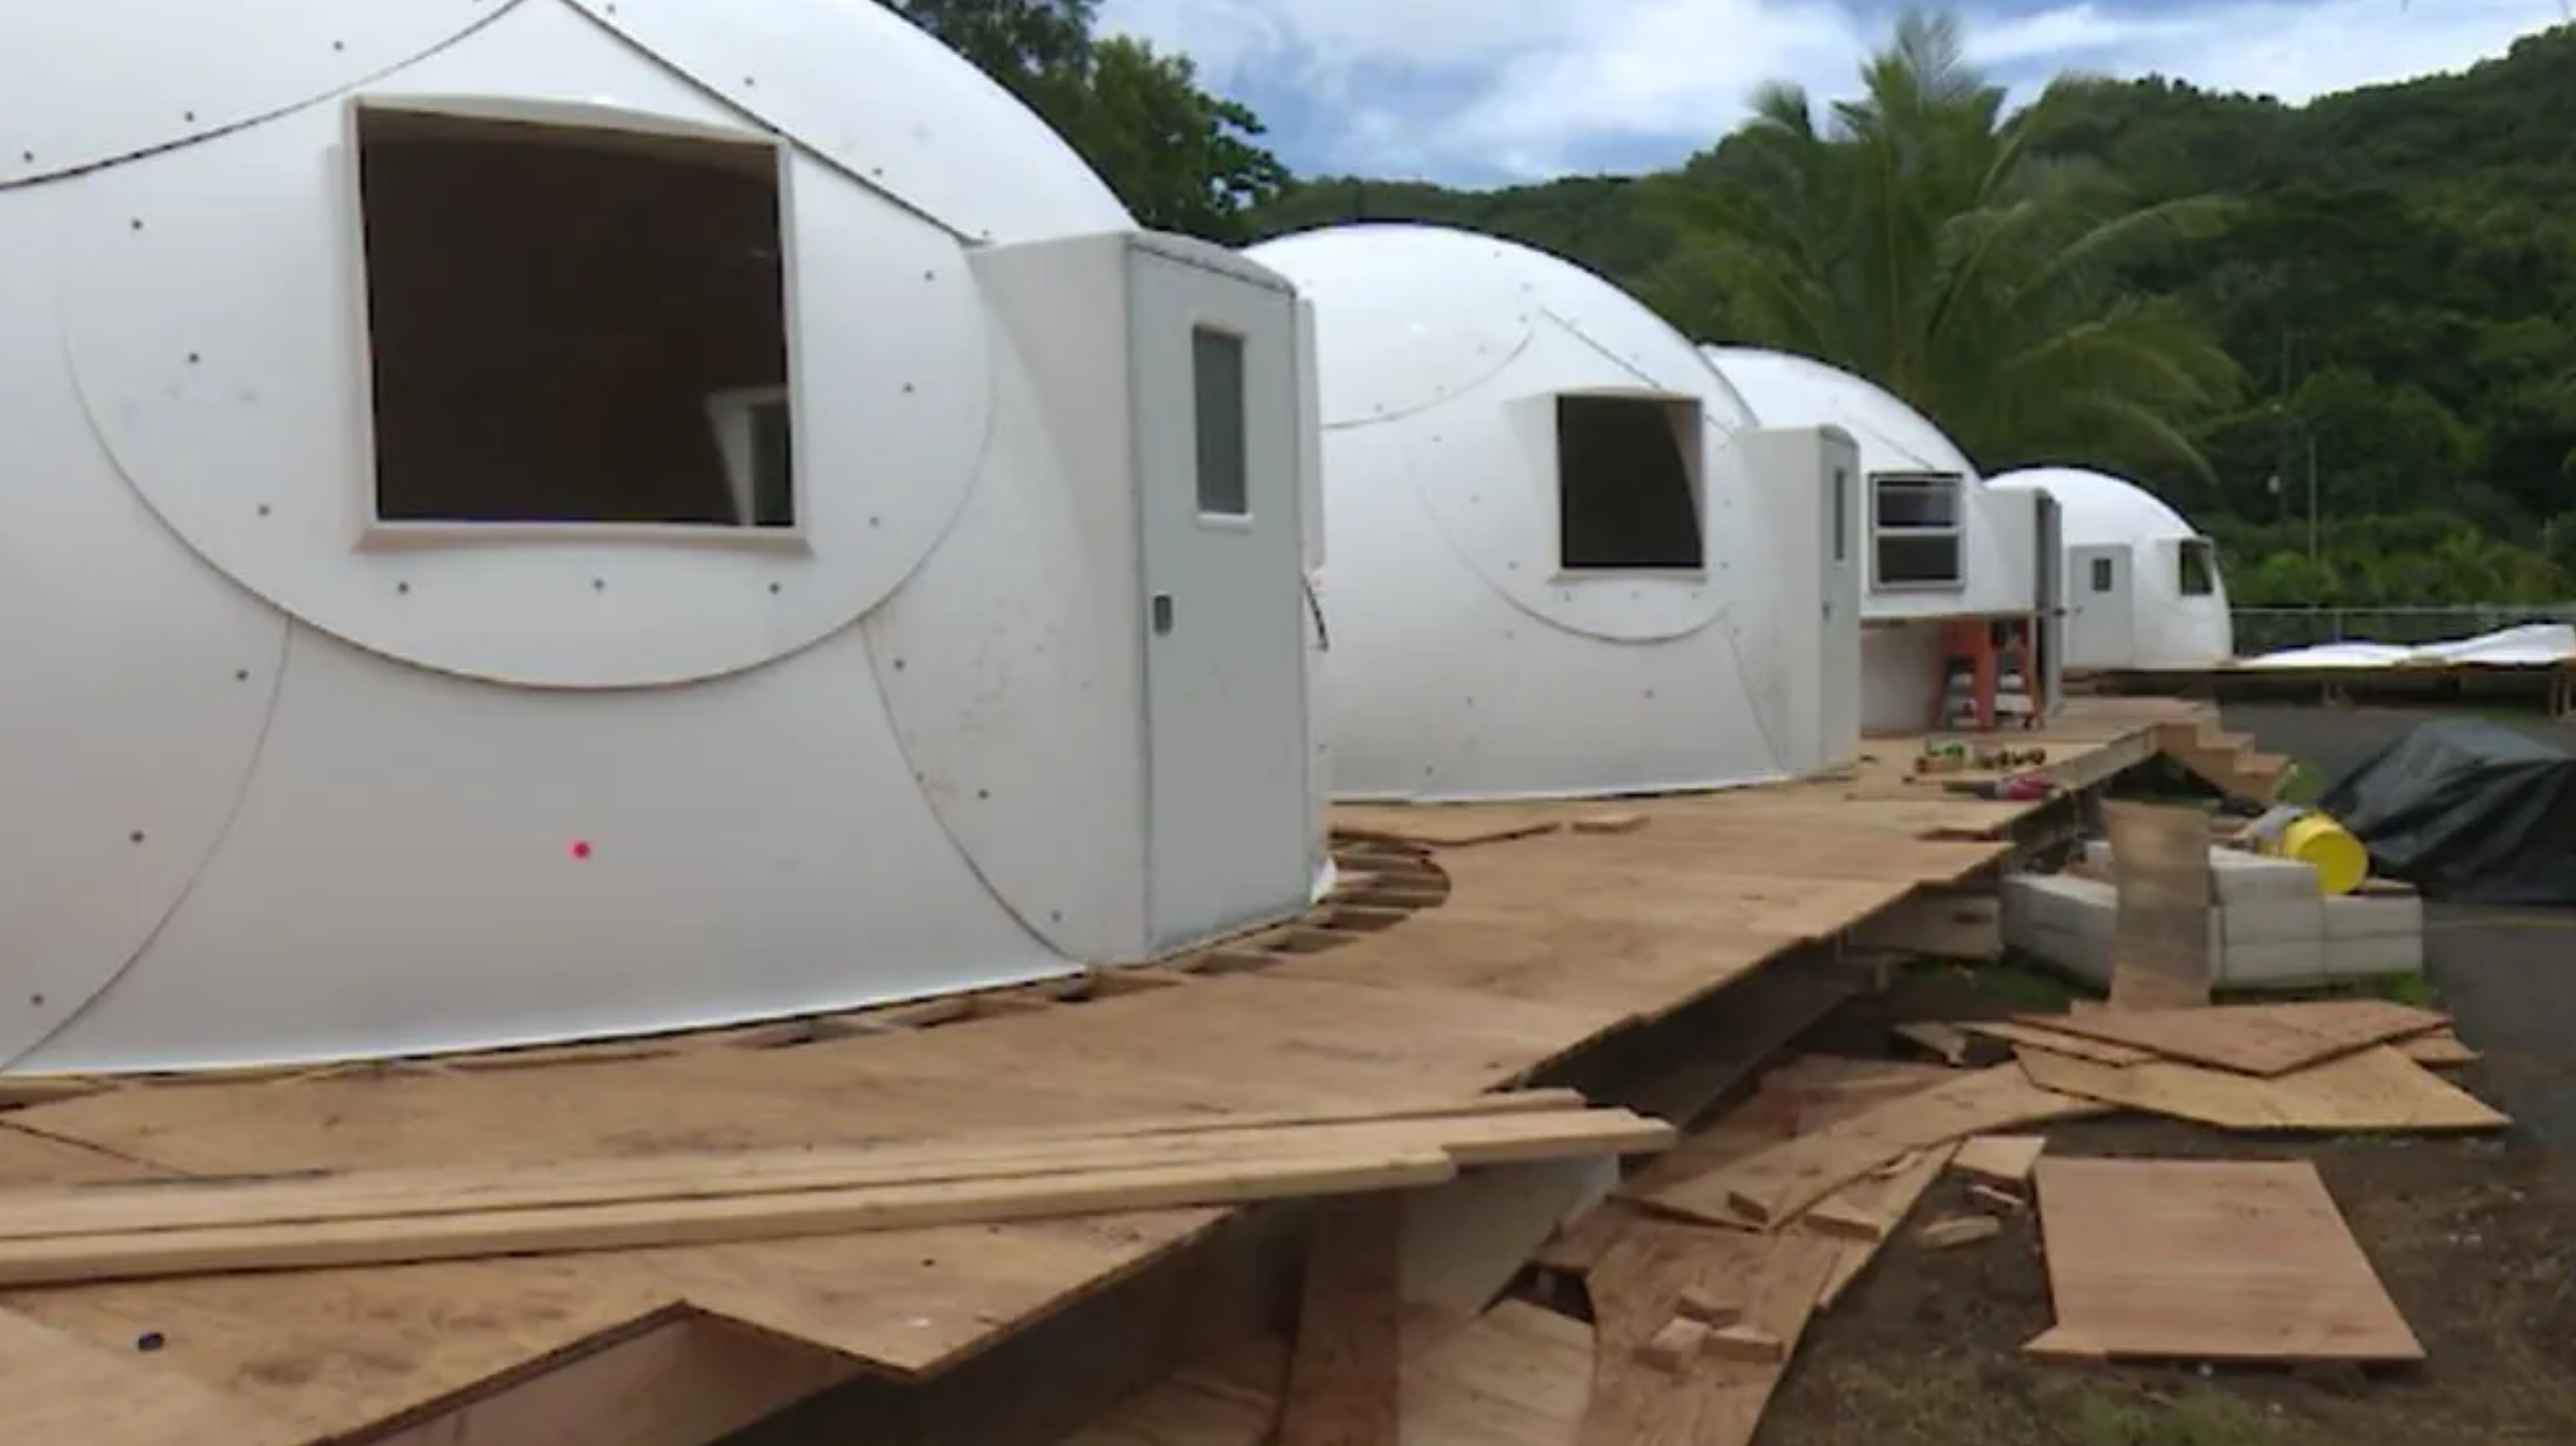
(86, 85)
(1421, 314)
(1787, 390)
(2095, 508)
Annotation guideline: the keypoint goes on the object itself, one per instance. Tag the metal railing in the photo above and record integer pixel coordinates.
(2270, 629)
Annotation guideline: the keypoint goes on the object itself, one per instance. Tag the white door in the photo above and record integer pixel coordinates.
(1840, 654)
(2099, 600)
(1215, 388)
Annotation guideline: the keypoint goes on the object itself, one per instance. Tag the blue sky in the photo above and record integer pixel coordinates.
(1478, 92)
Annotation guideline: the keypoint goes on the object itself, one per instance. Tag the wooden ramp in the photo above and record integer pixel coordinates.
(1494, 960)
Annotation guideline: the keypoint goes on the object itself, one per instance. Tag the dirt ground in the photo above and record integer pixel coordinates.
(2474, 1238)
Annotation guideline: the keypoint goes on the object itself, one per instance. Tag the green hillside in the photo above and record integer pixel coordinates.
(2201, 291)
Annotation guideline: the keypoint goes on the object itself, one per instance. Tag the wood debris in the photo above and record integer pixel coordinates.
(376, 1217)
(1675, 1344)
(2375, 1090)
(2257, 1039)
(1774, 1186)
(1959, 1230)
(2007, 1158)
(1750, 1343)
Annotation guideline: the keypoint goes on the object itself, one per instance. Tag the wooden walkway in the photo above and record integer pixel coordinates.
(1543, 944)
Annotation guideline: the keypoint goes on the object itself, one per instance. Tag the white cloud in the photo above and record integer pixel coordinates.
(1531, 87)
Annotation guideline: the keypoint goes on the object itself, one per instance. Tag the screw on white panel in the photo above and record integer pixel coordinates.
(402, 587)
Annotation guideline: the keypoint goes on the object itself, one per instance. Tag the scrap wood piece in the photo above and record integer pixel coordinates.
(1774, 1279)
(1889, 1200)
(2440, 1049)
(2257, 1039)
(2375, 1090)
(2029, 1031)
(2160, 954)
(1767, 1189)
(1505, 1134)
(2008, 1158)
(2208, 1261)
(1344, 1372)
(1959, 1230)
(718, 1208)
(1675, 1345)
(1946, 1042)
(1609, 823)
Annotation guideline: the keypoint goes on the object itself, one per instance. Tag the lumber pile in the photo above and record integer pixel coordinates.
(126, 1231)
(1719, 1252)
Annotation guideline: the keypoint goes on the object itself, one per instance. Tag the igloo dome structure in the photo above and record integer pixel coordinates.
(1558, 562)
(2143, 589)
(1937, 544)
(537, 519)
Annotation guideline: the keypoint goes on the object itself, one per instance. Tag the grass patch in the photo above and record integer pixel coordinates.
(2024, 987)
(2201, 1418)
(2303, 784)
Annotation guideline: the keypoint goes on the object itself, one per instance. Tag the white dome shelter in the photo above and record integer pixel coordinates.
(2143, 590)
(1556, 563)
(540, 519)
(1939, 544)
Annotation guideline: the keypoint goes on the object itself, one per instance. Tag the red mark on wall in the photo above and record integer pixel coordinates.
(581, 848)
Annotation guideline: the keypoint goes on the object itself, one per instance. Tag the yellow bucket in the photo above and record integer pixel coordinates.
(2326, 846)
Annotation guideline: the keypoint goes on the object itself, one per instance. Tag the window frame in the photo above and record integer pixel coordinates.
(1688, 419)
(1952, 484)
(2206, 551)
(375, 532)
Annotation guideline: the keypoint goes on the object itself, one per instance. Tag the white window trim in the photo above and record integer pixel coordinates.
(375, 532)
(1688, 417)
(1956, 530)
(2183, 548)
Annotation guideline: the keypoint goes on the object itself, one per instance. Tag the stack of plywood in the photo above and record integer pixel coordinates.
(383, 1217)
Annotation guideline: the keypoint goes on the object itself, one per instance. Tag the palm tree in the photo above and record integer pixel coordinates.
(1925, 238)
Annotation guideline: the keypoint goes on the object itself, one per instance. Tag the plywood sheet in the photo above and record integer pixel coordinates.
(57, 1388)
(1767, 1189)
(2440, 1049)
(2007, 1158)
(2375, 1090)
(1343, 1386)
(2259, 1039)
(2041, 1032)
(2160, 942)
(2208, 1261)
(1774, 1280)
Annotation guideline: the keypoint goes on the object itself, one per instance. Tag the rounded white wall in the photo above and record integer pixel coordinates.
(283, 788)
(2168, 628)
(1464, 662)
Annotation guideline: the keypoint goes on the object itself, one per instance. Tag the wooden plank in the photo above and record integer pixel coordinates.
(2375, 1090)
(2056, 1041)
(2257, 1039)
(1767, 1189)
(1773, 1279)
(1471, 1136)
(2440, 1049)
(147, 1254)
(1519, 1376)
(1885, 1200)
(2198, 1260)
(1344, 1381)
(2160, 941)
(1445, 825)
(2007, 1158)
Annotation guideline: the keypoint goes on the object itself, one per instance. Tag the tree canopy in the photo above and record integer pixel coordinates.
(2209, 293)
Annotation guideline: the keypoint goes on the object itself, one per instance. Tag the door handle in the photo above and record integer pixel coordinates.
(1162, 610)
